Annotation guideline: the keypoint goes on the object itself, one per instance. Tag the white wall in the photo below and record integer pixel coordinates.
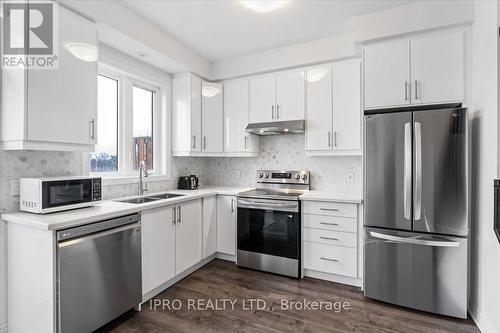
(485, 261)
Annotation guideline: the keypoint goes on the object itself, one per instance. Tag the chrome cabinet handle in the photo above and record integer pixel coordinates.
(194, 141)
(92, 130)
(246, 138)
(406, 90)
(418, 171)
(329, 209)
(329, 139)
(277, 111)
(329, 259)
(272, 112)
(326, 223)
(174, 212)
(329, 238)
(407, 173)
(179, 214)
(232, 205)
(416, 89)
(204, 143)
(335, 138)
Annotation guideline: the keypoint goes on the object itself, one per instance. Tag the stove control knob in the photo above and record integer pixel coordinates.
(297, 176)
(266, 175)
(304, 176)
(261, 175)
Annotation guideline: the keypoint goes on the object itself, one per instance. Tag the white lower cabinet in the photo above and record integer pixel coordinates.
(209, 226)
(330, 241)
(188, 237)
(226, 224)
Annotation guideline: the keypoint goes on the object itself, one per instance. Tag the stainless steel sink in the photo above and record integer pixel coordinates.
(140, 200)
(166, 196)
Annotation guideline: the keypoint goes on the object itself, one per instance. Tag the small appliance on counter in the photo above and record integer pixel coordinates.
(188, 183)
(48, 195)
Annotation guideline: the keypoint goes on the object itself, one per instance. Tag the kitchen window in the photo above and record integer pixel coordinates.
(129, 124)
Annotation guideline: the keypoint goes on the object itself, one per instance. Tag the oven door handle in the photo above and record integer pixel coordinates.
(267, 205)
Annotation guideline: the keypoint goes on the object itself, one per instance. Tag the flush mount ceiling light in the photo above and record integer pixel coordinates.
(262, 6)
(316, 74)
(83, 51)
(209, 91)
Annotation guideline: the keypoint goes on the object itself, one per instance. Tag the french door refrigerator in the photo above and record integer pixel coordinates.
(416, 209)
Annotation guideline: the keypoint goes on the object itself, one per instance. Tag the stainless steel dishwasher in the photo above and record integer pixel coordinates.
(98, 273)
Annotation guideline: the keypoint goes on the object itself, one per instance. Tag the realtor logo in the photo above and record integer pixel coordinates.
(29, 34)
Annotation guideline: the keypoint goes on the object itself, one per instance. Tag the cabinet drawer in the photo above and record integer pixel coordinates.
(336, 223)
(331, 237)
(330, 259)
(330, 208)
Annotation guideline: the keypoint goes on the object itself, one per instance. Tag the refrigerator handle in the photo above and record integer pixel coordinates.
(418, 171)
(407, 172)
(413, 240)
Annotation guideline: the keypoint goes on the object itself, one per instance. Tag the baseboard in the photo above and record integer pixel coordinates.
(226, 257)
(334, 278)
(3, 328)
(481, 321)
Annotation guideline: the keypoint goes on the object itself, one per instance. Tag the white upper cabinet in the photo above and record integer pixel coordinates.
(387, 74)
(186, 117)
(211, 116)
(437, 69)
(262, 99)
(236, 104)
(319, 118)
(290, 96)
(423, 70)
(59, 108)
(347, 106)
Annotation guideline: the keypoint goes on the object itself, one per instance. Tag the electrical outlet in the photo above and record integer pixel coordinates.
(14, 187)
(237, 173)
(349, 177)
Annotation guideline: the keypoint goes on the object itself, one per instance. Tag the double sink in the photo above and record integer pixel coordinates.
(141, 200)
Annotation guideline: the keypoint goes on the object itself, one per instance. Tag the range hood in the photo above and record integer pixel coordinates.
(277, 127)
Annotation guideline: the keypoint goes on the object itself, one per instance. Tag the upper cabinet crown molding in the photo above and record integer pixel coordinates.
(57, 109)
(420, 70)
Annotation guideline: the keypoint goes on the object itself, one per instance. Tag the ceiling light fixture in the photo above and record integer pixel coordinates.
(83, 51)
(262, 6)
(315, 74)
(209, 91)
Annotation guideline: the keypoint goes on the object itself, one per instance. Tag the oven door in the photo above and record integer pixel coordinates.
(65, 194)
(269, 227)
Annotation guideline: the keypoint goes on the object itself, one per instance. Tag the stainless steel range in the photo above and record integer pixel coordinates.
(269, 222)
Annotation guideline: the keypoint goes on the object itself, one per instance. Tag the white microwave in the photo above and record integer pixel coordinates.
(48, 195)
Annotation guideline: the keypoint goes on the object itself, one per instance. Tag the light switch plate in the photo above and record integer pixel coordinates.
(349, 177)
(14, 187)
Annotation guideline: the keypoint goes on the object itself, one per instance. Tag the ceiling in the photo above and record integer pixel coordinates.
(222, 29)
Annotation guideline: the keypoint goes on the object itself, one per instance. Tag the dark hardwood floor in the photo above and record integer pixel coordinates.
(221, 280)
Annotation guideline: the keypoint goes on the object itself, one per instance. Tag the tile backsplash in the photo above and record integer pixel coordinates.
(277, 152)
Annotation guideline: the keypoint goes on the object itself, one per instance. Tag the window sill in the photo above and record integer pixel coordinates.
(132, 179)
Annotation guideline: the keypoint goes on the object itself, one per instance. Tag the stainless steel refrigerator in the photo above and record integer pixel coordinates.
(416, 209)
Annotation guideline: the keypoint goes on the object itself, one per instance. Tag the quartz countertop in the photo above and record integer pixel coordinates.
(111, 208)
(331, 197)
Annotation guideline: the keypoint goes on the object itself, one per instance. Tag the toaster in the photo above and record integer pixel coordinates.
(188, 183)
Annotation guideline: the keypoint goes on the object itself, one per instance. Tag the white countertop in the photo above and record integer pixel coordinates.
(109, 209)
(331, 197)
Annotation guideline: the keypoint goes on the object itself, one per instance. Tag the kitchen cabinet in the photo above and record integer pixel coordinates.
(188, 235)
(236, 107)
(186, 116)
(427, 69)
(158, 247)
(211, 116)
(54, 109)
(226, 224)
(209, 226)
(277, 97)
(333, 120)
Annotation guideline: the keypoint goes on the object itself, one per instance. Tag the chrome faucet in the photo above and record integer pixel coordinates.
(143, 172)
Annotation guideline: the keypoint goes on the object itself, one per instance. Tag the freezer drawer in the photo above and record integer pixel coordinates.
(419, 271)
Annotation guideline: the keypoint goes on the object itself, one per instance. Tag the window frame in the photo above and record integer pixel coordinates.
(126, 173)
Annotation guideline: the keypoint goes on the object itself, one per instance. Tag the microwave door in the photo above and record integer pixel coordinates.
(387, 170)
(66, 192)
(440, 171)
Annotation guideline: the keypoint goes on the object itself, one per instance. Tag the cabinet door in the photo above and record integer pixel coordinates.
(188, 241)
(437, 68)
(62, 103)
(387, 74)
(182, 139)
(209, 226)
(236, 104)
(158, 247)
(226, 224)
(290, 95)
(211, 115)
(262, 99)
(196, 132)
(347, 105)
(319, 109)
